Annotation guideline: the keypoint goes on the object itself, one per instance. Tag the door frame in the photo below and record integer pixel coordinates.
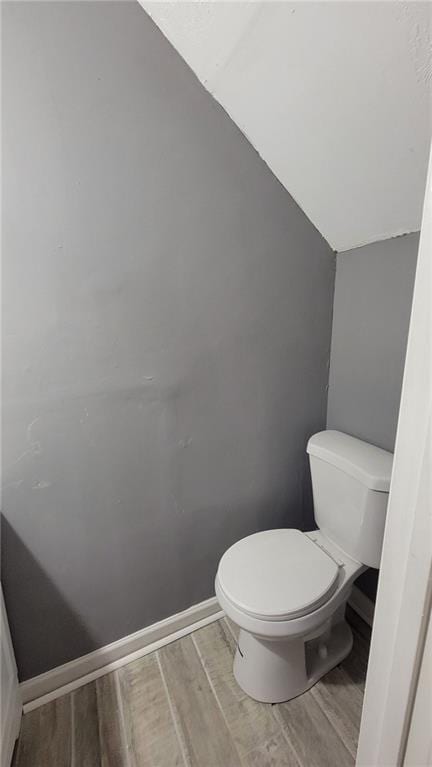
(419, 742)
(405, 583)
(10, 694)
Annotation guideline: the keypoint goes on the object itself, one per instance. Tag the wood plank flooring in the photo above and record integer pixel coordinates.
(181, 707)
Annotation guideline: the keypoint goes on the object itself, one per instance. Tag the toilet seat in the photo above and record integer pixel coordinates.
(277, 575)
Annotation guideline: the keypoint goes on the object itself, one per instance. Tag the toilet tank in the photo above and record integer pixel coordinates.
(350, 483)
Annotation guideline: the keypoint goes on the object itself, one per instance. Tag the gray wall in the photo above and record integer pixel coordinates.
(372, 306)
(167, 318)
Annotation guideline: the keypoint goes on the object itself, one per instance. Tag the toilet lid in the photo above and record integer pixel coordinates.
(277, 575)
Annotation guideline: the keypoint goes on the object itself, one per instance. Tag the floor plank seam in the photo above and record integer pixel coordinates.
(227, 622)
(212, 687)
(333, 725)
(124, 737)
(72, 721)
(179, 736)
(286, 737)
(98, 719)
(276, 715)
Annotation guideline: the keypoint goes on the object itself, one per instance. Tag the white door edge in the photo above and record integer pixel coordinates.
(11, 704)
(406, 565)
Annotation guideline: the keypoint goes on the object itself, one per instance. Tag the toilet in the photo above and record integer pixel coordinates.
(287, 590)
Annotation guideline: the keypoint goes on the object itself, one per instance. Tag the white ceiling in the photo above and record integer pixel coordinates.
(335, 96)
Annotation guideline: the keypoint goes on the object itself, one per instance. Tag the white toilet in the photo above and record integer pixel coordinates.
(287, 590)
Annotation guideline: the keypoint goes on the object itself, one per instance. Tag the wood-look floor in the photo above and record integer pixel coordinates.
(181, 707)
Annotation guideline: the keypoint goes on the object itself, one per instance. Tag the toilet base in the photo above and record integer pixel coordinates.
(273, 671)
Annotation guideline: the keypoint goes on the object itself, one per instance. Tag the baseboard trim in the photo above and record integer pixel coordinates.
(362, 605)
(63, 679)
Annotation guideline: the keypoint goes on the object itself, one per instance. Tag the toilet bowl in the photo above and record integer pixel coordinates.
(285, 648)
(287, 590)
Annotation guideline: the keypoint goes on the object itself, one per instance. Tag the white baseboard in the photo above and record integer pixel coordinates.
(362, 605)
(61, 680)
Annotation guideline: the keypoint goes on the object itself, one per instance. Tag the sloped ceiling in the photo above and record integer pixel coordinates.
(335, 96)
